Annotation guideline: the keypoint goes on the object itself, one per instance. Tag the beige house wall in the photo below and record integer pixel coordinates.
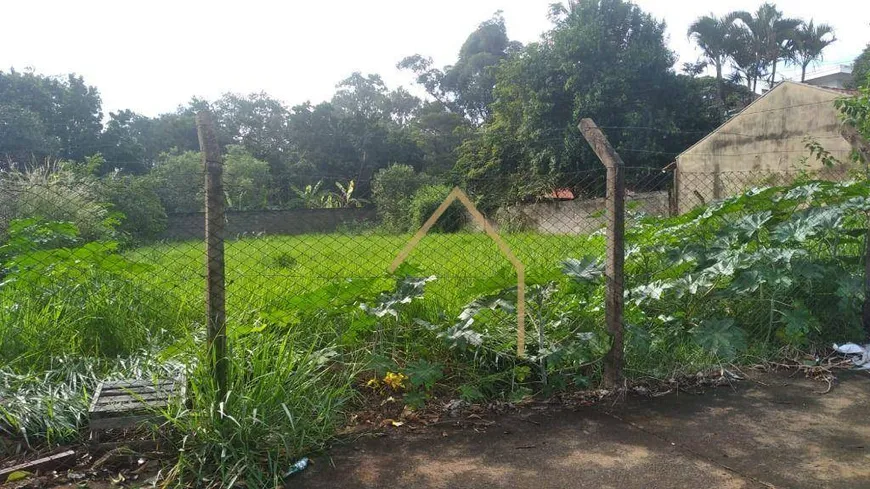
(762, 145)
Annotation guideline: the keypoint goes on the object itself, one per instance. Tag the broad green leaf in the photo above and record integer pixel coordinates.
(17, 476)
(808, 224)
(693, 283)
(651, 291)
(798, 323)
(721, 337)
(585, 270)
(746, 282)
(460, 335)
(802, 192)
(748, 226)
(423, 373)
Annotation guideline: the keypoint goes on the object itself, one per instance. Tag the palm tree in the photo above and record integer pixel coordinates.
(743, 50)
(771, 37)
(713, 35)
(809, 42)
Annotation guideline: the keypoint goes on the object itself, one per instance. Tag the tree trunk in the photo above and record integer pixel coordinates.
(772, 75)
(803, 73)
(719, 90)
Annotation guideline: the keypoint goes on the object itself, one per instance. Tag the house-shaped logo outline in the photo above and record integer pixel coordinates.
(480, 220)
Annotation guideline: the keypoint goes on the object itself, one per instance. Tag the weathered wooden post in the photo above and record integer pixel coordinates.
(215, 297)
(615, 206)
(862, 147)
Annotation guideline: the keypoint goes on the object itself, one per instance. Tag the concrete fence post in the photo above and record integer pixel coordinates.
(615, 207)
(214, 238)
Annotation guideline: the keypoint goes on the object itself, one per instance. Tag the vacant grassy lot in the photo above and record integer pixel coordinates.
(317, 322)
(292, 303)
(273, 272)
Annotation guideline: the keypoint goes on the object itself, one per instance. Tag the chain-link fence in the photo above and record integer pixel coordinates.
(89, 265)
(61, 234)
(697, 188)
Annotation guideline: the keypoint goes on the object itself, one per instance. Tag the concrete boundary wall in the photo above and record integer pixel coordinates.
(278, 222)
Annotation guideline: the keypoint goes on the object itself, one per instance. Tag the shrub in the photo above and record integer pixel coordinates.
(143, 216)
(247, 180)
(393, 189)
(178, 180)
(51, 193)
(426, 201)
(61, 296)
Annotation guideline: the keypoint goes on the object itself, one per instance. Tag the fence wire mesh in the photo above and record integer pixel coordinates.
(109, 279)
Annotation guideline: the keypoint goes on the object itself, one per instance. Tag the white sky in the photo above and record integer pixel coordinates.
(153, 55)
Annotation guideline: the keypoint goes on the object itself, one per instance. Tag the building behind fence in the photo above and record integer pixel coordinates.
(765, 144)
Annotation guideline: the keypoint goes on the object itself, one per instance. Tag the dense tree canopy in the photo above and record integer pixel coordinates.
(48, 117)
(861, 68)
(604, 59)
(502, 112)
(466, 87)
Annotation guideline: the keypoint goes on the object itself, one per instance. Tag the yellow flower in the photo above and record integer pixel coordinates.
(373, 384)
(396, 381)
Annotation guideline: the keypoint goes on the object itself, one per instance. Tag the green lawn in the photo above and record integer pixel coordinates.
(267, 272)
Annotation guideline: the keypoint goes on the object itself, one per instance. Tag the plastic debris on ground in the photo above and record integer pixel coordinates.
(860, 355)
(297, 467)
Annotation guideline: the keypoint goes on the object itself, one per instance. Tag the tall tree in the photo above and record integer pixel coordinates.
(715, 36)
(48, 117)
(133, 142)
(466, 87)
(363, 128)
(809, 42)
(257, 122)
(605, 59)
(746, 58)
(861, 69)
(123, 145)
(771, 36)
(438, 133)
(363, 96)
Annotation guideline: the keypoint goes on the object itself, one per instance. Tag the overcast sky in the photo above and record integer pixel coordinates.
(153, 55)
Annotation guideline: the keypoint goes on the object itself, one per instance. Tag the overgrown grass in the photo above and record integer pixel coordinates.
(310, 315)
(287, 395)
(50, 406)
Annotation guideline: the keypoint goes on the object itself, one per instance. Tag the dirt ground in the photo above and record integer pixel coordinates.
(774, 430)
(770, 430)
